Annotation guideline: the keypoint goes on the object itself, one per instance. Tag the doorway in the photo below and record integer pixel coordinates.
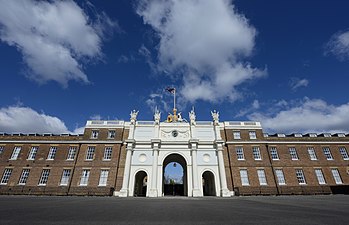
(141, 180)
(208, 184)
(175, 176)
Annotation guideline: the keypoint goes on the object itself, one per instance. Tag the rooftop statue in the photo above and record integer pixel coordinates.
(133, 115)
(192, 117)
(215, 117)
(157, 116)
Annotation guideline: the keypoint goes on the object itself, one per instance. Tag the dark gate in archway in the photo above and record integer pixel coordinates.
(208, 184)
(175, 176)
(140, 188)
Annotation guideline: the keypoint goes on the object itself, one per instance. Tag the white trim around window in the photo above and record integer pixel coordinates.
(244, 177)
(84, 177)
(15, 152)
(103, 178)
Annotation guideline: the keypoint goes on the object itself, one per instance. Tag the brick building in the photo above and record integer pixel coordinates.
(129, 159)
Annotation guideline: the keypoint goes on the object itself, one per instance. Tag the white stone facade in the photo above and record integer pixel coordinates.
(198, 143)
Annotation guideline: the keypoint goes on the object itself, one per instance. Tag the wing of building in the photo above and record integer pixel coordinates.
(128, 158)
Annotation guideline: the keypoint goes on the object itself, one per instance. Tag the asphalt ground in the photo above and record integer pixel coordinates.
(329, 209)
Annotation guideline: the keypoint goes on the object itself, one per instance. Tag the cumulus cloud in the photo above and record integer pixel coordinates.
(206, 42)
(307, 115)
(79, 130)
(338, 45)
(253, 107)
(55, 38)
(297, 83)
(156, 100)
(26, 120)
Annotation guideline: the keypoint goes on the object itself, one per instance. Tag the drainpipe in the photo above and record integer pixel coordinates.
(272, 170)
(118, 164)
(74, 167)
(228, 152)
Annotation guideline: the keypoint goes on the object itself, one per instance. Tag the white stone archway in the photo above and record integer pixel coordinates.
(175, 188)
(140, 184)
(209, 187)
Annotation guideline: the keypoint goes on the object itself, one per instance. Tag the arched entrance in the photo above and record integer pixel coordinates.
(208, 184)
(141, 180)
(175, 176)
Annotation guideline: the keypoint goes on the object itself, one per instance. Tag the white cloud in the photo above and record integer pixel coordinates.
(296, 83)
(126, 59)
(27, 120)
(308, 115)
(145, 52)
(253, 107)
(156, 100)
(96, 117)
(255, 104)
(338, 45)
(206, 42)
(79, 130)
(55, 37)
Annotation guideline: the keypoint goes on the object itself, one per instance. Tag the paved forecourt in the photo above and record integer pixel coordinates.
(329, 209)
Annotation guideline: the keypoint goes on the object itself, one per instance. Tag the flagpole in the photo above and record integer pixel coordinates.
(174, 98)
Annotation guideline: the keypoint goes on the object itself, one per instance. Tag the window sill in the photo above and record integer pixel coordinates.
(41, 185)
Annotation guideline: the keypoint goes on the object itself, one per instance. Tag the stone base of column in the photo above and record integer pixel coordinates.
(225, 193)
(123, 193)
(197, 193)
(153, 193)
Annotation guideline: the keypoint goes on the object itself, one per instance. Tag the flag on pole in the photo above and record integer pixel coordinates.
(171, 89)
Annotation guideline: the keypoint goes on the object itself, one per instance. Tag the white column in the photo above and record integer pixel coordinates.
(153, 188)
(124, 192)
(224, 189)
(196, 190)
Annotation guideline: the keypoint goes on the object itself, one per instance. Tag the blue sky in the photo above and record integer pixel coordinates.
(284, 63)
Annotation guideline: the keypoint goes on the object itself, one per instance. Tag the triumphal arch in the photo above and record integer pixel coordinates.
(156, 147)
